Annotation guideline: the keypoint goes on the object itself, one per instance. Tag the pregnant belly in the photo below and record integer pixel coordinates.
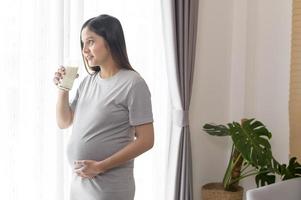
(92, 149)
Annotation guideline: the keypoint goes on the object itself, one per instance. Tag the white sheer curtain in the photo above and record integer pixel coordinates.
(37, 36)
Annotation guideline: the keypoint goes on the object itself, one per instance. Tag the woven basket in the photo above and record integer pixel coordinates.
(215, 191)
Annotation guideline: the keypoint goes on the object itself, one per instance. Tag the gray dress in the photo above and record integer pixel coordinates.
(105, 111)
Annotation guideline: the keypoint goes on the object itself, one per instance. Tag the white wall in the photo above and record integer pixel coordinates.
(242, 70)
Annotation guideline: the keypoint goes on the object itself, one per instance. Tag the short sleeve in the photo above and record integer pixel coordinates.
(74, 101)
(139, 104)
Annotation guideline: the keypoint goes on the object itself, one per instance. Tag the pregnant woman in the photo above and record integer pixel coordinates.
(111, 115)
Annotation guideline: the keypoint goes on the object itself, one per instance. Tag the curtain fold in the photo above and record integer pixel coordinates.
(180, 29)
(30, 150)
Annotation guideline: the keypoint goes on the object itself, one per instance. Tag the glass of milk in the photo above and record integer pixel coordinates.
(71, 68)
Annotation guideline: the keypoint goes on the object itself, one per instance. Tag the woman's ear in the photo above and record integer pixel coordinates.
(107, 47)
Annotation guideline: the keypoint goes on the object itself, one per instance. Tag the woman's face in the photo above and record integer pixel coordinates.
(95, 48)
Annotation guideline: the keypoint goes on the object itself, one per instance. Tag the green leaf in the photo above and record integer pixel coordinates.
(217, 130)
(293, 170)
(264, 177)
(252, 140)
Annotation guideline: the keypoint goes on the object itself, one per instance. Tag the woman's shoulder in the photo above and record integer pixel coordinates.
(87, 79)
(132, 77)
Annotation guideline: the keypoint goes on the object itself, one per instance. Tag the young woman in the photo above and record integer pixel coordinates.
(111, 116)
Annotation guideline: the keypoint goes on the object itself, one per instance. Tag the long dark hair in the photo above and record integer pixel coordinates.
(110, 29)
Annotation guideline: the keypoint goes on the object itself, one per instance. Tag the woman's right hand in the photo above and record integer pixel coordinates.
(58, 75)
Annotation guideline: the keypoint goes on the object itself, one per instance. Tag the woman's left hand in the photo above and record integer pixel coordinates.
(87, 168)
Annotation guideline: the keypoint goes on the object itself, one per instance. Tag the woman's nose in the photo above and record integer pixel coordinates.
(85, 49)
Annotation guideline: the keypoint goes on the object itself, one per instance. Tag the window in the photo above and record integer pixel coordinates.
(37, 36)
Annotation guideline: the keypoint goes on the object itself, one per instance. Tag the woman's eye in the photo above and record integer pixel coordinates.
(90, 42)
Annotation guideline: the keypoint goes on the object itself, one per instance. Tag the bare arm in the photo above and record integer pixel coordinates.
(143, 142)
(64, 114)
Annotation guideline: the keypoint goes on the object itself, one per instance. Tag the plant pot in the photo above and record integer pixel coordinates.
(215, 191)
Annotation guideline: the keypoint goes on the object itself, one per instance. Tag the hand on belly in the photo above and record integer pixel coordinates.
(87, 168)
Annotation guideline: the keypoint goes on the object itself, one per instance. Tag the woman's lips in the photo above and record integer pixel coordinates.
(89, 57)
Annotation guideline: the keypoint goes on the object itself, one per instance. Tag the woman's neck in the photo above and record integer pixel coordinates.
(108, 71)
(108, 68)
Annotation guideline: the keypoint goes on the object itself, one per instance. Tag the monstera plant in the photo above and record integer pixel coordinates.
(251, 154)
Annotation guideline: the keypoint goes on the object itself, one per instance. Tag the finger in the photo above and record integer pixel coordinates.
(81, 174)
(80, 170)
(77, 162)
(77, 166)
(58, 75)
(84, 171)
(62, 68)
(56, 81)
(80, 162)
(62, 72)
